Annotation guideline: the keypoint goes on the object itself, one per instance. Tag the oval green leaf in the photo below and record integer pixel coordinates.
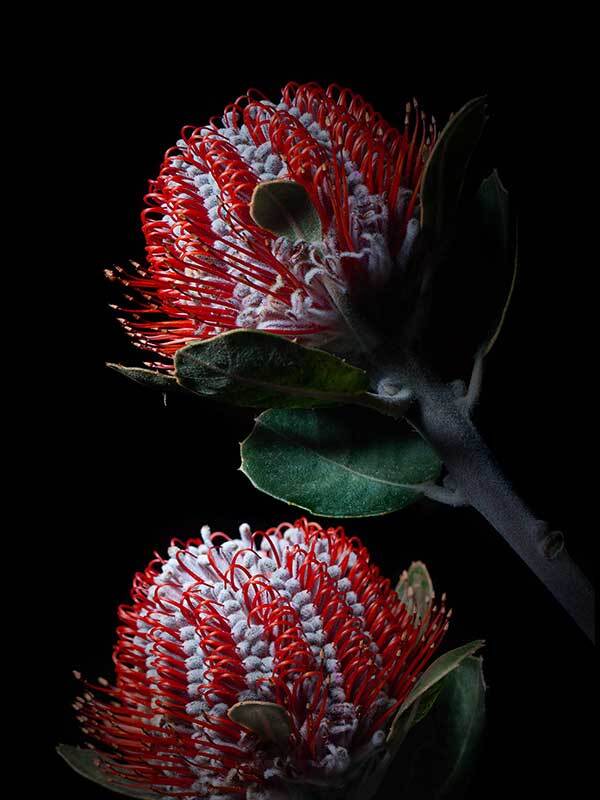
(441, 667)
(346, 462)
(438, 754)
(88, 764)
(261, 370)
(446, 167)
(424, 693)
(285, 209)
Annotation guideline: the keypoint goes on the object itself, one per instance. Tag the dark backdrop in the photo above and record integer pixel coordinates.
(122, 473)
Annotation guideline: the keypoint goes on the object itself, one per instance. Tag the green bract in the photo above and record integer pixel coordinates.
(269, 721)
(444, 175)
(285, 208)
(437, 754)
(415, 588)
(87, 763)
(492, 216)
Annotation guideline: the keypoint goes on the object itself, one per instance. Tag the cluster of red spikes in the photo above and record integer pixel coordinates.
(186, 291)
(141, 724)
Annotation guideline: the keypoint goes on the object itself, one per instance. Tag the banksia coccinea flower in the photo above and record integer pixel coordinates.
(212, 268)
(245, 666)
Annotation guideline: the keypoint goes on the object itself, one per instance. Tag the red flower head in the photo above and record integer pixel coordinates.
(212, 268)
(250, 665)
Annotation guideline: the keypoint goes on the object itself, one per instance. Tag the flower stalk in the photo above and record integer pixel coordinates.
(443, 419)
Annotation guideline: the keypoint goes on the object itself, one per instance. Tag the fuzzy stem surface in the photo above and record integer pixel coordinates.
(444, 421)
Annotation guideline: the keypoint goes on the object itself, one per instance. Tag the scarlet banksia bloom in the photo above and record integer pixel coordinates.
(295, 622)
(212, 268)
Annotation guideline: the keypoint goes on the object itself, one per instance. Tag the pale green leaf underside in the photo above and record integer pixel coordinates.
(147, 377)
(261, 370)
(85, 762)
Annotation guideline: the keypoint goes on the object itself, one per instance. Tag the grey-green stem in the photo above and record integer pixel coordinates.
(443, 419)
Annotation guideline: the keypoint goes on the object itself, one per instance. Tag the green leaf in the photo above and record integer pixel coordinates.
(492, 209)
(285, 208)
(441, 667)
(404, 721)
(415, 588)
(426, 702)
(425, 691)
(492, 203)
(438, 755)
(346, 462)
(269, 721)
(251, 368)
(147, 377)
(446, 167)
(88, 764)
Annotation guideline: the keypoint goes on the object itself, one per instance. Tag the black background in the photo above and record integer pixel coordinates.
(122, 473)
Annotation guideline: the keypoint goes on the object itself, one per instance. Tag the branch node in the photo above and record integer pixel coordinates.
(389, 388)
(474, 391)
(553, 544)
(442, 494)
